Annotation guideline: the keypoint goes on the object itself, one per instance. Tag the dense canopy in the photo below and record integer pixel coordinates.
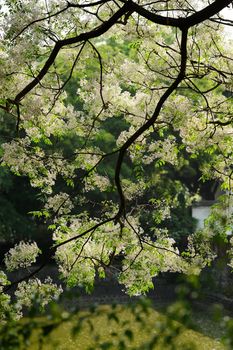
(105, 105)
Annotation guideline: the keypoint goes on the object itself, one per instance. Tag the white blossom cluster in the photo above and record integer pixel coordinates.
(42, 170)
(78, 259)
(164, 149)
(35, 291)
(21, 256)
(60, 203)
(3, 280)
(142, 264)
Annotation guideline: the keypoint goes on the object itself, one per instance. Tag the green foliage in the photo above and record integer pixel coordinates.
(135, 326)
(113, 114)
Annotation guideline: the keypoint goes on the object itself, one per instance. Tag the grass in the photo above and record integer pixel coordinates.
(123, 327)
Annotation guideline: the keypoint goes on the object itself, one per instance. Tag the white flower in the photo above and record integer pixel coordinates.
(21, 256)
(60, 203)
(36, 291)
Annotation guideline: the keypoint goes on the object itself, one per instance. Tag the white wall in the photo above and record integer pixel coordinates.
(200, 213)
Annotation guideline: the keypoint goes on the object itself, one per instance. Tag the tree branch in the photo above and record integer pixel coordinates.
(98, 31)
(182, 22)
(150, 122)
